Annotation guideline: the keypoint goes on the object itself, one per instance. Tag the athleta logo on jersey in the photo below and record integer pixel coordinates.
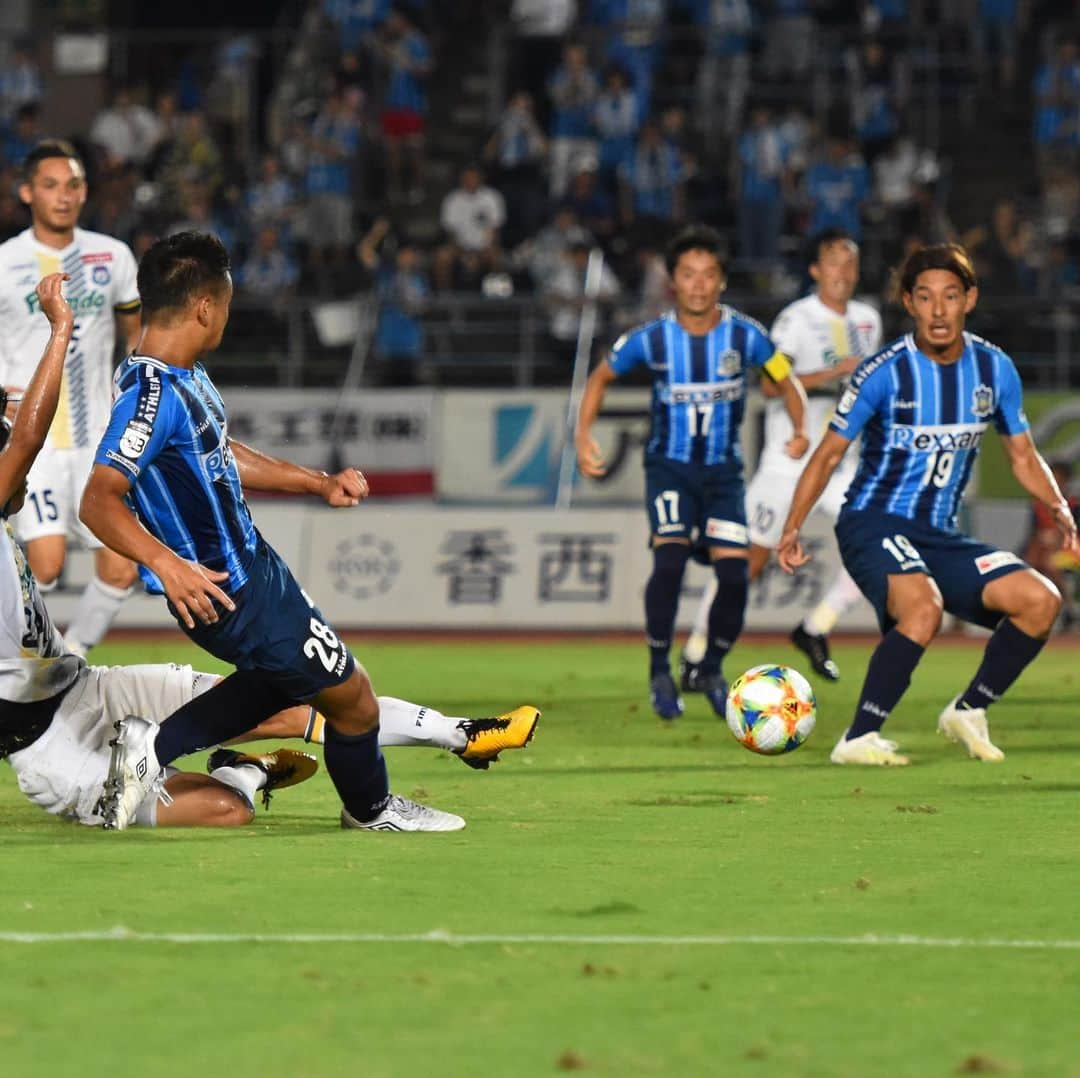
(88, 302)
(946, 436)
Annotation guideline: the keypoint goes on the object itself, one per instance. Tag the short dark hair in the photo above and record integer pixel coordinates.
(50, 147)
(695, 238)
(942, 256)
(180, 267)
(826, 238)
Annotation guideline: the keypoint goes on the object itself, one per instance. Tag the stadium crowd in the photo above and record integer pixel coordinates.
(615, 121)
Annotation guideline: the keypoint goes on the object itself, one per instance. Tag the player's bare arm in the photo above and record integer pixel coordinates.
(258, 471)
(815, 477)
(190, 587)
(590, 459)
(39, 401)
(1036, 477)
(794, 397)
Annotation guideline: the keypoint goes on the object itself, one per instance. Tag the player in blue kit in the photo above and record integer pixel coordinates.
(698, 356)
(923, 406)
(166, 490)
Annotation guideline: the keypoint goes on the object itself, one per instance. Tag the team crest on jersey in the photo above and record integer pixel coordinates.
(100, 275)
(730, 362)
(846, 401)
(135, 438)
(982, 401)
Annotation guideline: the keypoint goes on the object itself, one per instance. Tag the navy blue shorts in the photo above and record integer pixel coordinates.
(706, 505)
(875, 545)
(277, 630)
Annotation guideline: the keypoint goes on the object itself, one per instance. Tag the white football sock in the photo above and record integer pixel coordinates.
(98, 605)
(842, 595)
(698, 640)
(245, 779)
(402, 723)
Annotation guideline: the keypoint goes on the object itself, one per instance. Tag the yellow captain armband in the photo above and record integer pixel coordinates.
(778, 366)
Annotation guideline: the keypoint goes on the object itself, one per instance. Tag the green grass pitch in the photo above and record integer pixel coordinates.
(658, 900)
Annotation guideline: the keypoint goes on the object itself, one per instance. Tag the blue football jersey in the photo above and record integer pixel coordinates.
(699, 383)
(167, 434)
(922, 423)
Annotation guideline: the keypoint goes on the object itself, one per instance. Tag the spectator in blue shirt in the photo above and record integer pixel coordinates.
(573, 90)
(333, 150)
(269, 274)
(997, 26)
(652, 181)
(23, 134)
(407, 55)
(354, 20)
(20, 81)
(724, 73)
(1057, 95)
(759, 182)
(836, 187)
(516, 153)
(617, 121)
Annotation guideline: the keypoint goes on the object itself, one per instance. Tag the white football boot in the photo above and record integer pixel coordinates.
(870, 749)
(969, 727)
(134, 771)
(401, 814)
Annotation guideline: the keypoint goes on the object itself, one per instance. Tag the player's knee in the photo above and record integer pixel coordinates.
(669, 561)
(1043, 606)
(355, 711)
(116, 574)
(922, 622)
(46, 570)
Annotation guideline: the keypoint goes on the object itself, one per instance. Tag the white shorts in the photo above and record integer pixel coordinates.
(54, 489)
(64, 770)
(768, 499)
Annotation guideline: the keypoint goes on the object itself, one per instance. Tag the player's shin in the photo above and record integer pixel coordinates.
(728, 610)
(235, 705)
(1008, 652)
(357, 769)
(97, 608)
(888, 675)
(662, 601)
(402, 723)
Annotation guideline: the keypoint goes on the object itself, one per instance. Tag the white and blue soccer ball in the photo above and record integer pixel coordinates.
(771, 709)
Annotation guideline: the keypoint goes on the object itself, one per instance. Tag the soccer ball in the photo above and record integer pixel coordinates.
(771, 709)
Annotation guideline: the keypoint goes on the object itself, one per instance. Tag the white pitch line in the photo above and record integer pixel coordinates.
(125, 935)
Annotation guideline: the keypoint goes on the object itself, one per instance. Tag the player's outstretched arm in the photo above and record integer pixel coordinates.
(815, 477)
(35, 414)
(1035, 476)
(590, 460)
(258, 471)
(190, 587)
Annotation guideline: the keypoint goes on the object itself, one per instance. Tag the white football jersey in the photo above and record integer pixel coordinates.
(813, 337)
(102, 271)
(34, 664)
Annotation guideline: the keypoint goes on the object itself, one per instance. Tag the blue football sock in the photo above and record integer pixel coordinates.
(662, 601)
(1007, 653)
(356, 766)
(727, 612)
(887, 677)
(236, 704)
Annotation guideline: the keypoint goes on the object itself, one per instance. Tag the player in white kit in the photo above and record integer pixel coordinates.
(57, 714)
(102, 293)
(825, 335)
